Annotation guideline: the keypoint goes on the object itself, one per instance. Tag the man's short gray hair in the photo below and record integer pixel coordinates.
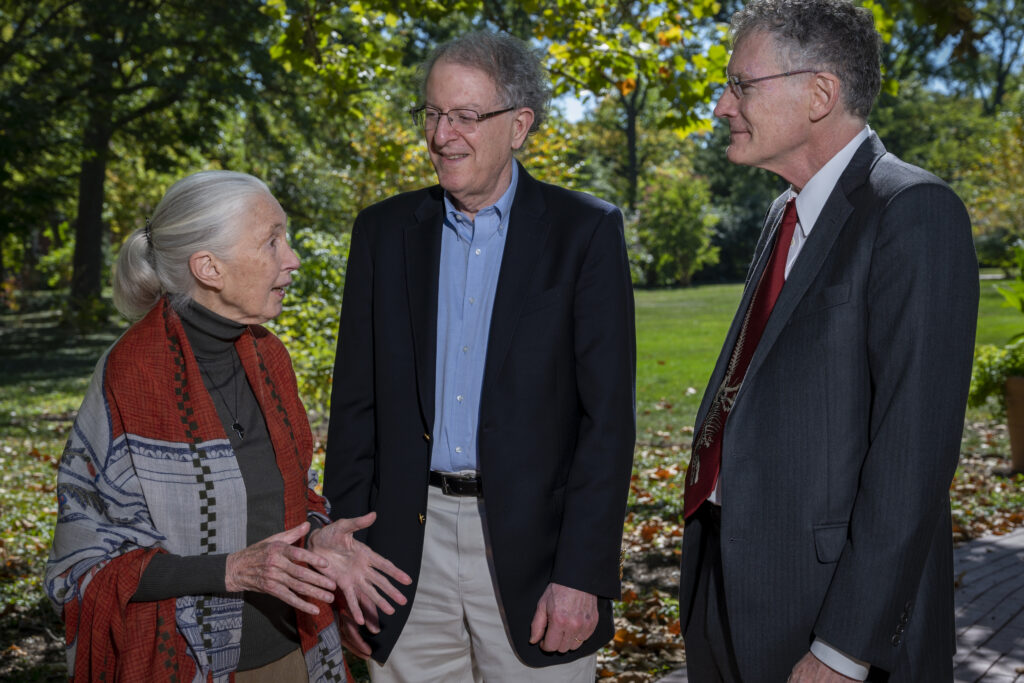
(514, 68)
(829, 35)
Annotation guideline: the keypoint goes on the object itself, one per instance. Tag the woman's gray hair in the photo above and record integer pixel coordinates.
(827, 35)
(198, 213)
(514, 68)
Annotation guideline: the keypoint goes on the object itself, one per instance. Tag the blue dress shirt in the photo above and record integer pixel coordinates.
(471, 252)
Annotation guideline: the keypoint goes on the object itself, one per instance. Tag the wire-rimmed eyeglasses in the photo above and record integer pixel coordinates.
(461, 120)
(736, 85)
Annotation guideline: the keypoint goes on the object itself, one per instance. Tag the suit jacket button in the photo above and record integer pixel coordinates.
(904, 618)
(426, 437)
(423, 518)
(896, 640)
(900, 628)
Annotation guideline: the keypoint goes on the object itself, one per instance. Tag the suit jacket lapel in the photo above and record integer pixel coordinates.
(422, 265)
(833, 218)
(524, 244)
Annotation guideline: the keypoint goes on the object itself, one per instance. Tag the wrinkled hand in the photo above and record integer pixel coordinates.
(360, 574)
(565, 617)
(276, 567)
(810, 669)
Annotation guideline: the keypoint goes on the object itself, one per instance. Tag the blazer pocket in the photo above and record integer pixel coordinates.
(548, 297)
(829, 541)
(835, 295)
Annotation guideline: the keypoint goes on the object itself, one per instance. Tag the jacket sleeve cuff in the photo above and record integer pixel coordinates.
(839, 661)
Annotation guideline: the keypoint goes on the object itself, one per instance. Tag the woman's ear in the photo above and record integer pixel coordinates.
(206, 269)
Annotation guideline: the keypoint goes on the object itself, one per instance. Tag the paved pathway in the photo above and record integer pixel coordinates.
(989, 597)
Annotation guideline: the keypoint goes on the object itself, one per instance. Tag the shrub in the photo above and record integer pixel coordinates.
(992, 365)
(308, 325)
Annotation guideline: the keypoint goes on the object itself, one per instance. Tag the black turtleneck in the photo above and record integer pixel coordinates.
(268, 625)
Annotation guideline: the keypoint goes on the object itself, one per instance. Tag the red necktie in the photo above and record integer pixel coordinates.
(706, 460)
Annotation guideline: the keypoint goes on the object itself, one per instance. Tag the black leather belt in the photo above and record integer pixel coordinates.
(457, 485)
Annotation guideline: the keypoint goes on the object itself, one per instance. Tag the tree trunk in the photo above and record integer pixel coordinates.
(87, 262)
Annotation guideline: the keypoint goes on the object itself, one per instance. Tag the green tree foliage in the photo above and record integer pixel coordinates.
(634, 52)
(991, 185)
(993, 63)
(673, 227)
(308, 325)
(936, 131)
(658, 63)
(975, 47)
(154, 75)
(35, 183)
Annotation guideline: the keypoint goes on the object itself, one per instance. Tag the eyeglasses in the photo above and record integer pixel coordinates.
(462, 121)
(736, 85)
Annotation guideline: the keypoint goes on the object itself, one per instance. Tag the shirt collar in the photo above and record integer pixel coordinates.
(455, 218)
(811, 200)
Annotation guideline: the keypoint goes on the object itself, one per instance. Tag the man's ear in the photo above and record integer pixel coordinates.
(523, 119)
(206, 270)
(825, 92)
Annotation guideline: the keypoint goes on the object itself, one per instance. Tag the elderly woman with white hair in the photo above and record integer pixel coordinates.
(190, 544)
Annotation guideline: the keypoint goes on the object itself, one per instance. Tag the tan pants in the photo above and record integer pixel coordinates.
(455, 632)
(291, 667)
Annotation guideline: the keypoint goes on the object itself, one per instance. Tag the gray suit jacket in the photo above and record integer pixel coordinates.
(839, 451)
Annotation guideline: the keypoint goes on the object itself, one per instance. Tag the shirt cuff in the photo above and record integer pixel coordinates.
(839, 661)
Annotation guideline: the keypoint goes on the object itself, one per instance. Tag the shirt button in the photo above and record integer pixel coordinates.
(458, 449)
(477, 252)
(465, 349)
(459, 398)
(472, 300)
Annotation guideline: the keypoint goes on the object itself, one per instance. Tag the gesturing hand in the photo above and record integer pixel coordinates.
(277, 567)
(361, 574)
(565, 617)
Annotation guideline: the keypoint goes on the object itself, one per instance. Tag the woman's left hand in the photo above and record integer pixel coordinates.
(361, 574)
(277, 567)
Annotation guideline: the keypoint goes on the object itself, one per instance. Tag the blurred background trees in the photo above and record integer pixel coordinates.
(104, 104)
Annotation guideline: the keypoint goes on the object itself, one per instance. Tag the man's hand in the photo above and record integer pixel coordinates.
(565, 617)
(810, 669)
(360, 574)
(351, 638)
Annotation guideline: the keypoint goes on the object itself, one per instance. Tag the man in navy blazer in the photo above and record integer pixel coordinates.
(483, 401)
(818, 543)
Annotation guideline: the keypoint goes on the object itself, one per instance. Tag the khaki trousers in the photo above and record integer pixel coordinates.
(291, 667)
(455, 632)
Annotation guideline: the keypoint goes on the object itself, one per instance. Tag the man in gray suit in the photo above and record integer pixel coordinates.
(818, 540)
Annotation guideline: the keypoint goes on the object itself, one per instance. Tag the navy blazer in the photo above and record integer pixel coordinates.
(557, 413)
(844, 437)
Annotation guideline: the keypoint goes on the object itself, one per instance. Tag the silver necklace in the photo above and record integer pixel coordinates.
(235, 424)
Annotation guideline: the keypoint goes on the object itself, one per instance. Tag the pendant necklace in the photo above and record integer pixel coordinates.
(235, 425)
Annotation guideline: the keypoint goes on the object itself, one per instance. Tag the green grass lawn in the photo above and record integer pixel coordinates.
(997, 322)
(44, 372)
(680, 332)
